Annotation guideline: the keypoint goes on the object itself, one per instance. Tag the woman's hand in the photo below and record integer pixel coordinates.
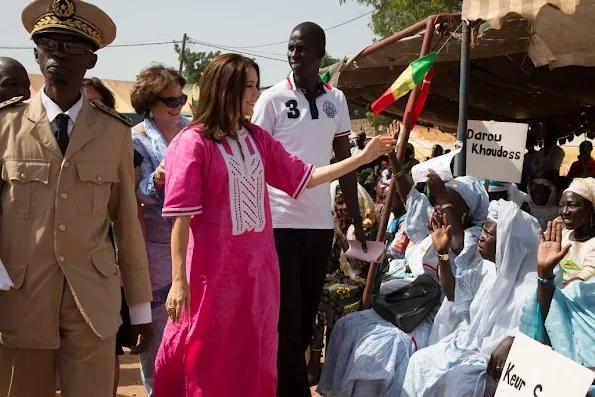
(550, 251)
(437, 187)
(440, 234)
(378, 146)
(178, 299)
(498, 358)
(159, 175)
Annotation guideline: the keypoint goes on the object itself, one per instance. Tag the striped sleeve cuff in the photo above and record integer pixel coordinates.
(343, 135)
(188, 211)
(304, 182)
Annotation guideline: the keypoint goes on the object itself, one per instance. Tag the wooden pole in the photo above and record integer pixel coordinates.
(183, 53)
(394, 160)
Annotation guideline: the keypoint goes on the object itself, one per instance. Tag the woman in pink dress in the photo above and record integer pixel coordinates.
(221, 340)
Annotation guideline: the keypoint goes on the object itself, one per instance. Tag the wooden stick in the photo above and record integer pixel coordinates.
(394, 161)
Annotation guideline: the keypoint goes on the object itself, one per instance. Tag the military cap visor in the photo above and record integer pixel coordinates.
(91, 43)
(71, 17)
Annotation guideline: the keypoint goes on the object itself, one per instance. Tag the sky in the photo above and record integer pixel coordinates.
(227, 23)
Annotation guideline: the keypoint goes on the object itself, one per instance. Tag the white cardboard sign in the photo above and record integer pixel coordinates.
(535, 370)
(440, 164)
(495, 151)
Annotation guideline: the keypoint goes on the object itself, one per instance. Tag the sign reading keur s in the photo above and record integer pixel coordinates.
(535, 370)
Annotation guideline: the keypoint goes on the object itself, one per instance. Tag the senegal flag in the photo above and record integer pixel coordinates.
(405, 83)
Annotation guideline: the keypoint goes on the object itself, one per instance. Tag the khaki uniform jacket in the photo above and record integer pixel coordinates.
(55, 213)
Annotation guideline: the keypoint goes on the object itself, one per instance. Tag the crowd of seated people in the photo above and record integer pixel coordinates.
(507, 261)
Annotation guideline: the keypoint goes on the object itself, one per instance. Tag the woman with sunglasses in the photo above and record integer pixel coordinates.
(157, 96)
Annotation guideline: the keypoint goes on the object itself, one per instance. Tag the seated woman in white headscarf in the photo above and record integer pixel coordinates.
(367, 356)
(468, 362)
(544, 201)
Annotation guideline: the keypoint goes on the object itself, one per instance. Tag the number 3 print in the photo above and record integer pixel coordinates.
(293, 113)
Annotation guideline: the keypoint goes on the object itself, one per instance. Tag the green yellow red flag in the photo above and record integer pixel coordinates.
(405, 82)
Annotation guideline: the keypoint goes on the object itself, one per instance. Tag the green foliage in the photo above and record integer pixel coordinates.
(391, 16)
(328, 61)
(194, 63)
(380, 122)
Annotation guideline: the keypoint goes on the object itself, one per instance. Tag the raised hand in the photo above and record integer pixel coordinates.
(550, 251)
(394, 129)
(437, 187)
(440, 233)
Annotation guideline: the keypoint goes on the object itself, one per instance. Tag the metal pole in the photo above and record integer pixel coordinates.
(394, 161)
(183, 53)
(464, 99)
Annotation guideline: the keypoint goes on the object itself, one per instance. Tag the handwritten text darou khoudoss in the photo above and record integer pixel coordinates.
(480, 149)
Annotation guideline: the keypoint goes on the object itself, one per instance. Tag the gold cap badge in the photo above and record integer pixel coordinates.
(63, 8)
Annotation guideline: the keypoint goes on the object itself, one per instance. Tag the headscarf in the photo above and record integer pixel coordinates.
(365, 201)
(516, 256)
(516, 196)
(493, 210)
(553, 194)
(584, 187)
(548, 212)
(475, 196)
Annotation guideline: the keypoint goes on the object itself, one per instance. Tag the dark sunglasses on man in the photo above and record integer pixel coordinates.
(49, 45)
(174, 102)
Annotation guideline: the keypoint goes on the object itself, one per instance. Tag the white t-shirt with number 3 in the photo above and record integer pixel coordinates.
(306, 130)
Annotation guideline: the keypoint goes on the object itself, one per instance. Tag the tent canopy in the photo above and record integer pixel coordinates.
(504, 83)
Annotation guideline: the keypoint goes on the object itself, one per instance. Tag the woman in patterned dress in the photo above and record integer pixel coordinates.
(224, 302)
(157, 96)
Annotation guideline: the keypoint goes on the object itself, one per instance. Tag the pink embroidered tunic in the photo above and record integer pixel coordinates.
(226, 346)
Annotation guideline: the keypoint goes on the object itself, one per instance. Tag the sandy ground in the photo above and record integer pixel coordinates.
(130, 382)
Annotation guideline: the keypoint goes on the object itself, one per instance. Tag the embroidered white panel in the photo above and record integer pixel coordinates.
(246, 184)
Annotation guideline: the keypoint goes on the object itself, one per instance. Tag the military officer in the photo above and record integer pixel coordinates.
(14, 80)
(67, 172)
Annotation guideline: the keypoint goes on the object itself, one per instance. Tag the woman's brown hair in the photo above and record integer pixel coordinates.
(150, 83)
(107, 97)
(222, 87)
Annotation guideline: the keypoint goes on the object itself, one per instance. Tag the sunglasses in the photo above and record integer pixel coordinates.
(49, 45)
(174, 102)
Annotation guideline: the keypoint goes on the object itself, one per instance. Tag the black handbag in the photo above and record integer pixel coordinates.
(408, 306)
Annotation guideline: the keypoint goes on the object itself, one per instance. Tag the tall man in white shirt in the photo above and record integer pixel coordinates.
(310, 118)
(67, 172)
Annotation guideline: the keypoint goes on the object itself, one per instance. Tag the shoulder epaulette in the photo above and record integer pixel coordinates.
(11, 102)
(99, 105)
